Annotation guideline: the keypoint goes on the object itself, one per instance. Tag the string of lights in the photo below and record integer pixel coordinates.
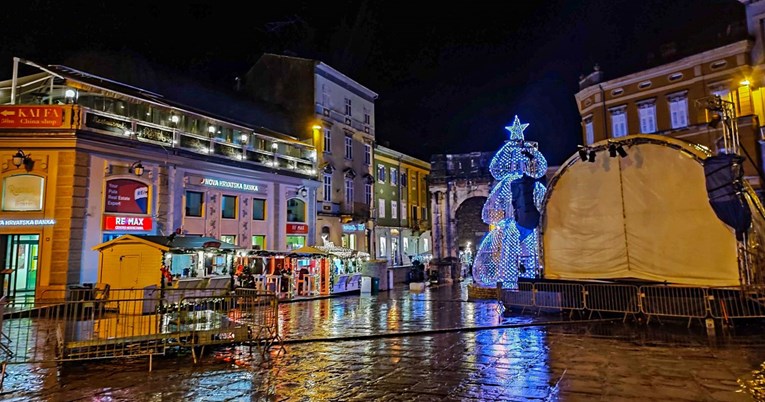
(509, 250)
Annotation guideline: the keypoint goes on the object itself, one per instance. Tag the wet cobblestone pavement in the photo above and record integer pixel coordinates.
(343, 349)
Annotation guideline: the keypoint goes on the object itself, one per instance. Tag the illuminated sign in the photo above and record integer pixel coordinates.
(27, 222)
(353, 227)
(127, 223)
(23, 192)
(34, 116)
(126, 196)
(229, 184)
(297, 228)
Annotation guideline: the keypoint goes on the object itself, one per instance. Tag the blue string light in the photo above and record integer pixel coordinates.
(510, 251)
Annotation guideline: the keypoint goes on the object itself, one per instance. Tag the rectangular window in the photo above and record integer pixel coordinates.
(394, 176)
(424, 213)
(618, 122)
(327, 190)
(348, 106)
(325, 96)
(228, 207)
(425, 244)
(678, 110)
(258, 209)
(367, 118)
(403, 210)
(327, 140)
(367, 154)
(394, 209)
(231, 239)
(383, 248)
(295, 242)
(368, 194)
(414, 213)
(194, 203)
(348, 147)
(403, 179)
(348, 192)
(381, 208)
(258, 242)
(589, 132)
(647, 115)
(381, 173)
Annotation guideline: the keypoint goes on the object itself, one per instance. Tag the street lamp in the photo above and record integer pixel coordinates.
(20, 158)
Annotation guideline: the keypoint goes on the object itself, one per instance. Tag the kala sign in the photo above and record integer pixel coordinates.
(127, 223)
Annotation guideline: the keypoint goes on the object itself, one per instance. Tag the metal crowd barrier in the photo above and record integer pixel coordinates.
(130, 322)
(649, 300)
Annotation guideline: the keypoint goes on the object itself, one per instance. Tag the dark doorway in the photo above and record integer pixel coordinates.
(470, 227)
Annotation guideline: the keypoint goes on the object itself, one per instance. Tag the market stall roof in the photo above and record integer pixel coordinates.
(308, 250)
(167, 243)
(342, 252)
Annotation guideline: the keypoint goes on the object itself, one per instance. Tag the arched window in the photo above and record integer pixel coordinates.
(295, 210)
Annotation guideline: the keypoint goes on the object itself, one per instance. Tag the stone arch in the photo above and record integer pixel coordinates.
(469, 226)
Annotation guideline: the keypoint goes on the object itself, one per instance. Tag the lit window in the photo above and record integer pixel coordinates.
(678, 110)
(647, 115)
(618, 122)
(383, 249)
(258, 242)
(381, 173)
(589, 132)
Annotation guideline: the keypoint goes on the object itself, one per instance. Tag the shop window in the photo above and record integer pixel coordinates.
(194, 203)
(231, 239)
(383, 248)
(295, 242)
(295, 210)
(228, 207)
(258, 209)
(258, 242)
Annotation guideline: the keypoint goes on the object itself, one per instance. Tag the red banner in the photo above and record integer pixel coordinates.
(34, 116)
(126, 196)
(297, 228)
(127, 223)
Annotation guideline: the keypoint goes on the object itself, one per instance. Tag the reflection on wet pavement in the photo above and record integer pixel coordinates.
(567, 362)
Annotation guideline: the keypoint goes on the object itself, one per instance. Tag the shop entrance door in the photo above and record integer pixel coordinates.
(20, 261)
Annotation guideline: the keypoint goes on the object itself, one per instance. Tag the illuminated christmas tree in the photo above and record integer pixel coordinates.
(509, 250)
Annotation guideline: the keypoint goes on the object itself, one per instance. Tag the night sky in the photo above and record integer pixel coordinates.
(449, 77)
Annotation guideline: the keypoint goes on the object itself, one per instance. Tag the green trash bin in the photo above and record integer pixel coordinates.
(375, 285)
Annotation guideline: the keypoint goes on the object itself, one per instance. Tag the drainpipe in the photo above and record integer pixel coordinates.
(603, 99)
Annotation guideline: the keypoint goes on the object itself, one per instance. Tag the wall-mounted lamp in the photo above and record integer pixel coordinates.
(136, 168)
(20, 158)
(244, 138)
(274, 146)
(174, 119)
(744, 83)
(303, 192)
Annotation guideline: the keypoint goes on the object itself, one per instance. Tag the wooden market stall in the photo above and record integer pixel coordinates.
(136, 261)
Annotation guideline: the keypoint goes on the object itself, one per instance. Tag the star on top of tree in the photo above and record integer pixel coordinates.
(516, 130)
